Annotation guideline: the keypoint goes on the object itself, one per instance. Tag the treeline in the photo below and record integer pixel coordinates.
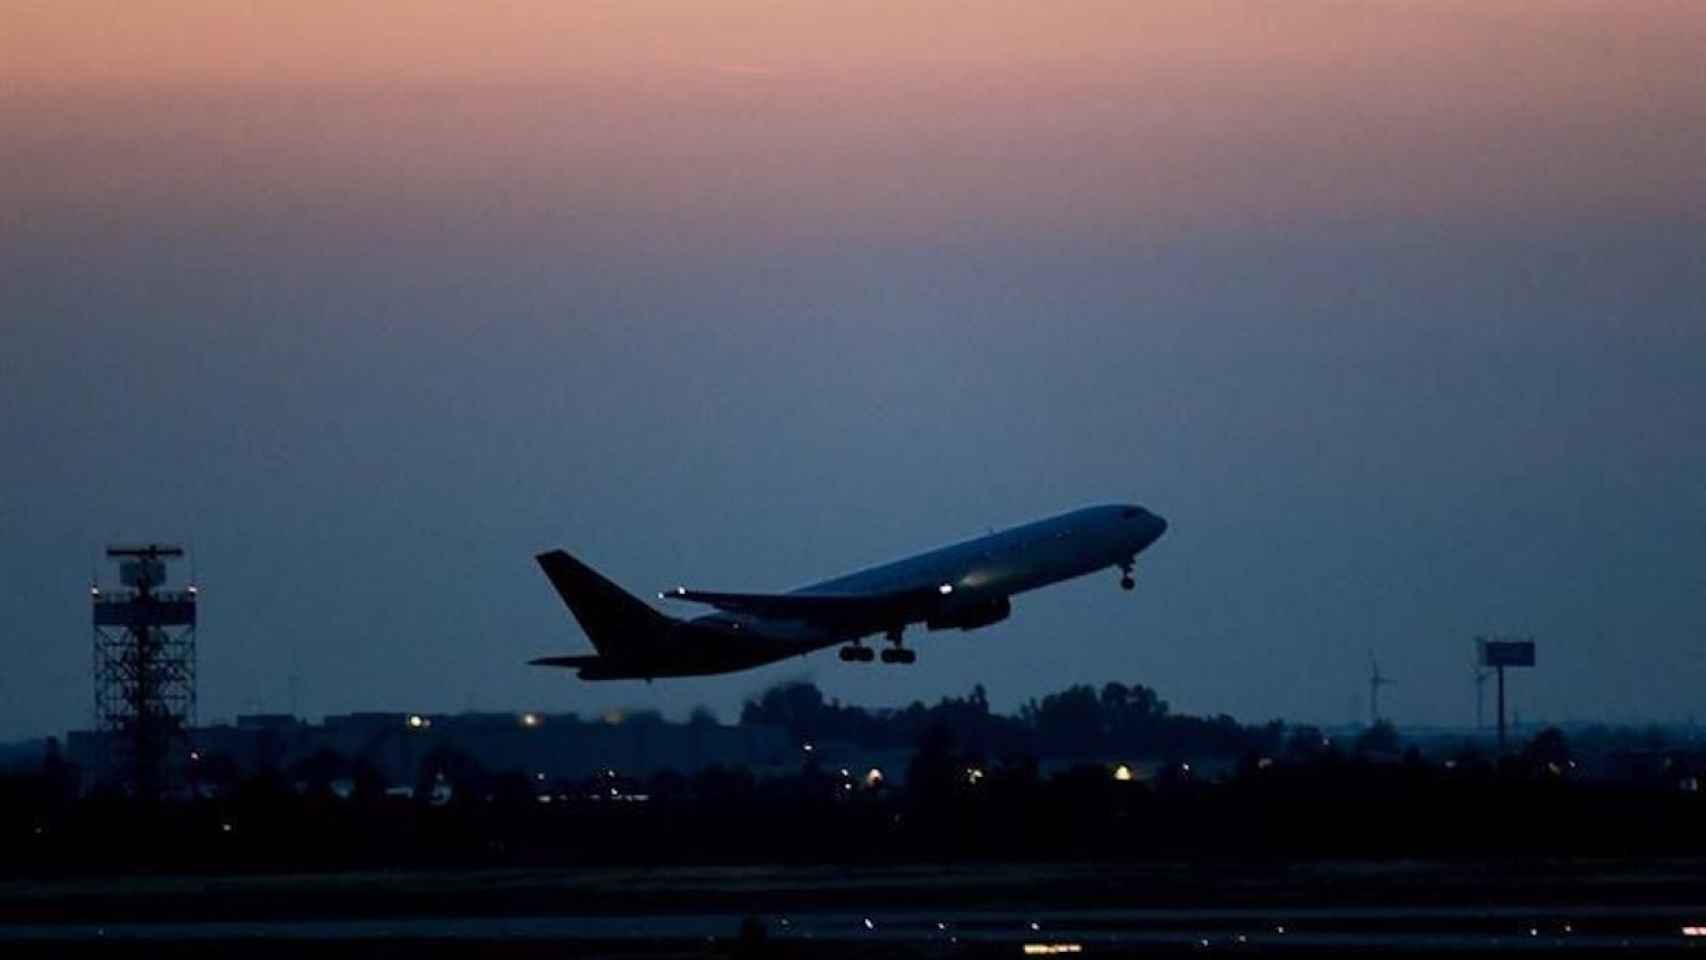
(1118, 720)
(974, 788)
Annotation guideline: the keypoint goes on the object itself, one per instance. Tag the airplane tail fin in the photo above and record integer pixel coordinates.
(619, 624)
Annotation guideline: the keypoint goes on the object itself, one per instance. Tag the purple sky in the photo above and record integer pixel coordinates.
(1392, 309)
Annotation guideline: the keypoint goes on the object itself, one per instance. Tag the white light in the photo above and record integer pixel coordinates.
(193, 590)
(808, 748)
(1122, 773)
(869, 925)
(416, 721)
(945, 589)
(530, 719)
(873, 777)
(94, 591)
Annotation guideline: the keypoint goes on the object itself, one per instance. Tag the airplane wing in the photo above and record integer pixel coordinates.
(828, 609)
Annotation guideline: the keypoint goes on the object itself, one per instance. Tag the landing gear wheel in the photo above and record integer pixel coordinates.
(897, 653)
(1126, 582)
(858, 654)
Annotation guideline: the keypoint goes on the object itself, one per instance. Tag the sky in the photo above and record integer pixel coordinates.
(1393, 308)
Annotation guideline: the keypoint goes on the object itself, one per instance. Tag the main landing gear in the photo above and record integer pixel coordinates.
(857, 652)
(1126, 582)
(898, 653)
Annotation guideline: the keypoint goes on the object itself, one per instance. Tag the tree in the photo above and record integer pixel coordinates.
(1380, 738)
(1069, 721)
(797, 707)
(1548, 752)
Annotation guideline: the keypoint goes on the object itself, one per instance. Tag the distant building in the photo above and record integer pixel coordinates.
(559, 746)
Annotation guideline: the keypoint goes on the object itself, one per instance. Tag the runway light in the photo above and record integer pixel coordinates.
(808, 748)
(869, 925)
(973, 775)
(530, 719)
(945, 589)
(1694, 931)
(1122, 773)
(416, 721)
(1051, 949)
(874, 777)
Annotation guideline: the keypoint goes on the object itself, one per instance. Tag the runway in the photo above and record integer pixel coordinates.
(1046, 932)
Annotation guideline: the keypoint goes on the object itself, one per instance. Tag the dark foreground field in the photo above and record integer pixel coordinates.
(919, 910)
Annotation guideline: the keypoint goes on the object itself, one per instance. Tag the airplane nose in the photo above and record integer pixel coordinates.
(1158, 526)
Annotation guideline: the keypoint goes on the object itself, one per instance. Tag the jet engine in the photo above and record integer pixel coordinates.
(971, 616)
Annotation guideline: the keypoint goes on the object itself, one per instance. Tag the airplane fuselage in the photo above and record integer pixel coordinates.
(964, 586)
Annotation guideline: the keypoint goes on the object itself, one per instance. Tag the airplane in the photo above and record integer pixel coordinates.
(963, 586)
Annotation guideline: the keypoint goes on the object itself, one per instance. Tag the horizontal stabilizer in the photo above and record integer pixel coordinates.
(565, 661)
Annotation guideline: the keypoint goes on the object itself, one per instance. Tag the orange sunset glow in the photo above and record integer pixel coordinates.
(778, 121)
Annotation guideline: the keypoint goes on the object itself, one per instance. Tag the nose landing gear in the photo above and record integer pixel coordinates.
(1126, 581)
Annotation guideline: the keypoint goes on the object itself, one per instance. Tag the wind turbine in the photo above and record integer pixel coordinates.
(1376, 680)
